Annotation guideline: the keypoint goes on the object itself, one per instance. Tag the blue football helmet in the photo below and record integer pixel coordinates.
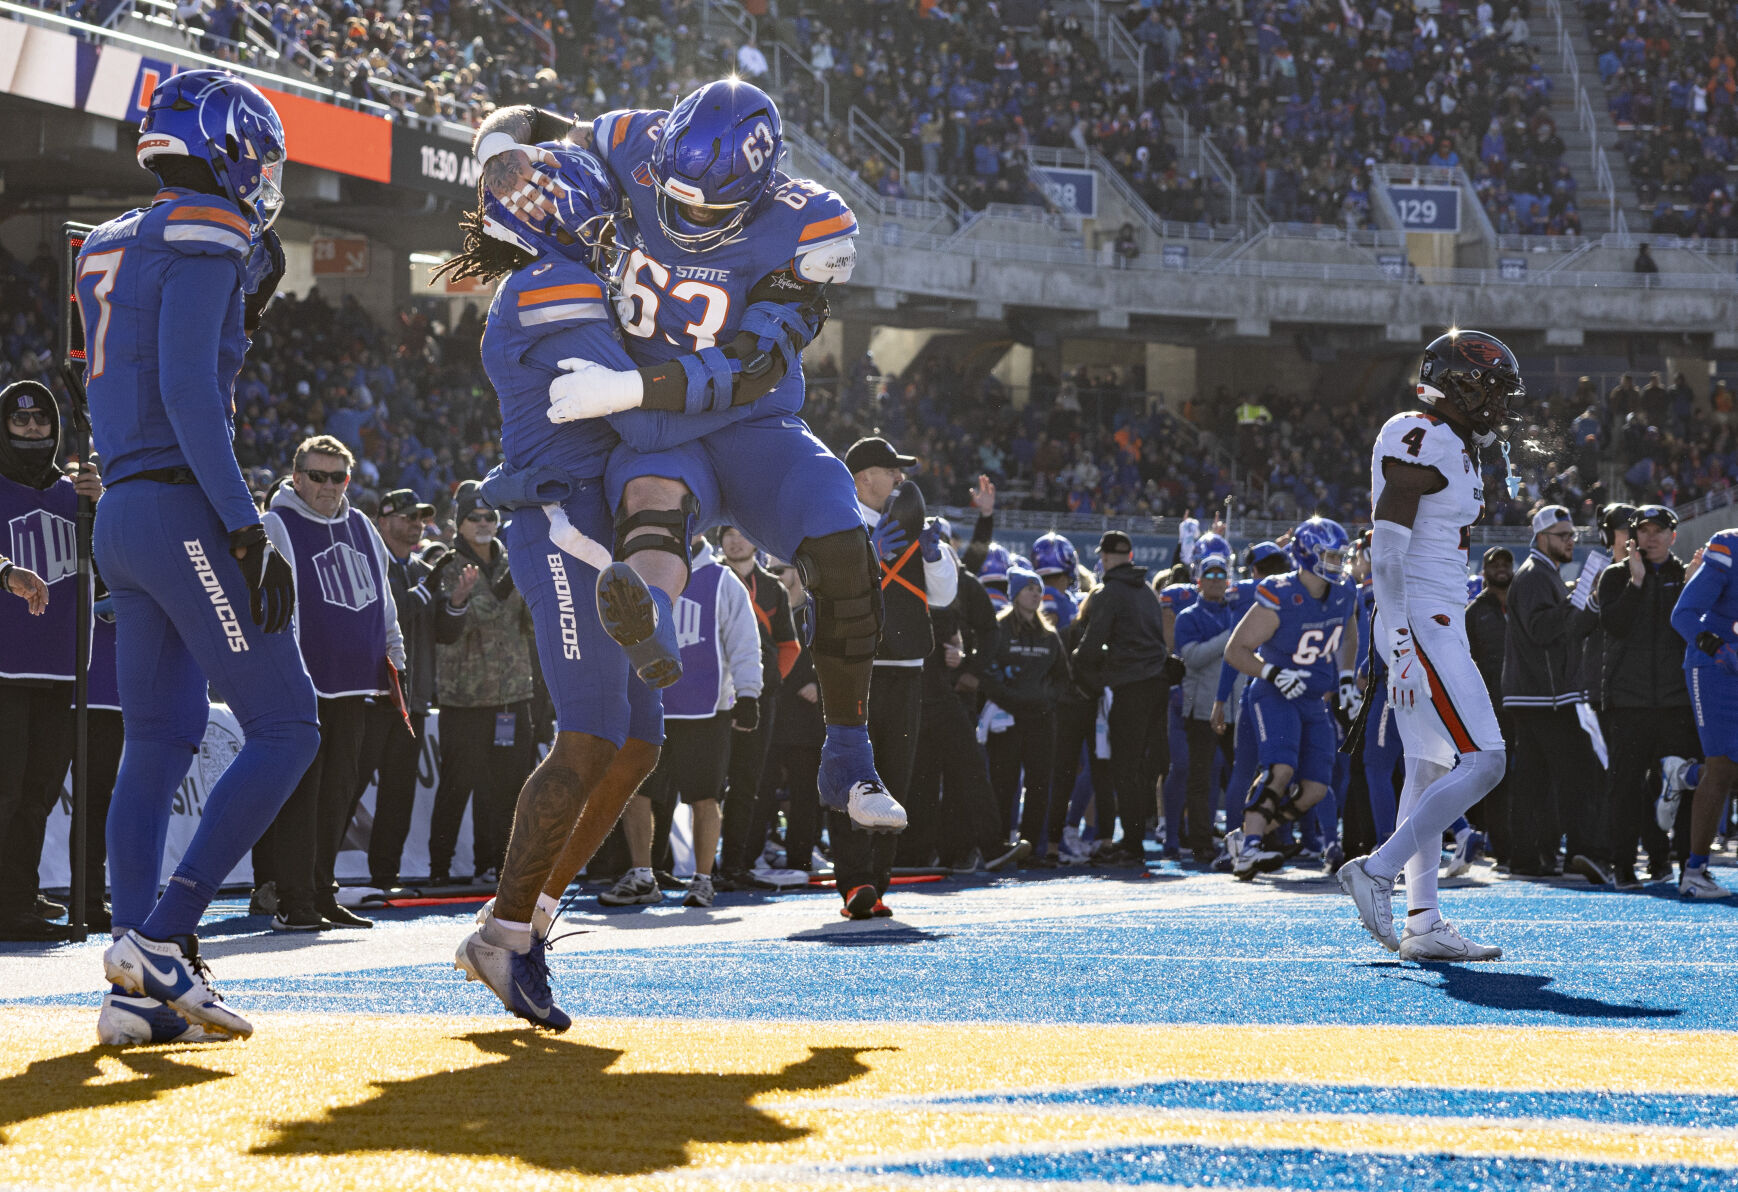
(1321, 546)
(225, 122)
(1021, 561)
(995, 566)
(1211, 544)
(717, 152)
(587, 201)
(1054, 552)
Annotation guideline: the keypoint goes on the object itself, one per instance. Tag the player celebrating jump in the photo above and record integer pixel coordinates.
(1293, 643)
(168, 295)
(1427, 492)
(720, 248)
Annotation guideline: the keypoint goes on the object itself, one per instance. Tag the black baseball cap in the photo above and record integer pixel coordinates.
(1499, 552)
(1660, 515)
(1115, 542)
(403, 500)
(875, 453)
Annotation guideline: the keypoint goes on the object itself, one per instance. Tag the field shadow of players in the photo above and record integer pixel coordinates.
(75, 1081)
(1498, 990)
(557, 1104)
(843, 935)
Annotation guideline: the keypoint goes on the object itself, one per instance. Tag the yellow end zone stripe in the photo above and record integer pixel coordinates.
(421, 1102)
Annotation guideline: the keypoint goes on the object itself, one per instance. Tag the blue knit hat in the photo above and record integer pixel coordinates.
(1019, 577)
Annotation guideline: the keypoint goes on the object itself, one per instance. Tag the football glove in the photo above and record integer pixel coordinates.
(888, 538)
(1351, 699)
(265, 269)
(929, 541)
(270, 583)
(745, 713)
(587, 389)
(1289, 682)
(1407, 684)
(1724, 653)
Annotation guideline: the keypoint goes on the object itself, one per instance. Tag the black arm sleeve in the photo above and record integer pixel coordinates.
(979, 546)
(666, 384)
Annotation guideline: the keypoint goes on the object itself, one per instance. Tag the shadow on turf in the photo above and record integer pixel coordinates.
(1500, 990)
(845, 935)
(556, 1104)
(66, 1082)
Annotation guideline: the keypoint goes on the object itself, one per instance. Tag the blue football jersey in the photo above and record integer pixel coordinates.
(1309, 633)
(674, 301)
(541, 314)
(1178, 597)
(1709, 601)
(1061, 605)
(155, 288)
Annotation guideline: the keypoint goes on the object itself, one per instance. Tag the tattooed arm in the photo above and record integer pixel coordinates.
(504, 140)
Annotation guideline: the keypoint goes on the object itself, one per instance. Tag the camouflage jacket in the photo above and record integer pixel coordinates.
(490, 664)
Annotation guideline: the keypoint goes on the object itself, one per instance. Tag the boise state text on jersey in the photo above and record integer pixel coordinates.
(1310, 630)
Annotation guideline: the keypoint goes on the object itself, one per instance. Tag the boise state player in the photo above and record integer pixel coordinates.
(1055, 560)
(550, 307)
(1706, 616)
(168, 295)
(719, 247)
(1293, 643)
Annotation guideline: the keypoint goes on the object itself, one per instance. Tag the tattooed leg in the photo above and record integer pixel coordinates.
(549, 804)
(603, 808)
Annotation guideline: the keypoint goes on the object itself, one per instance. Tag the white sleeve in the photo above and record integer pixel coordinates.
(941, 579)
(739, 636)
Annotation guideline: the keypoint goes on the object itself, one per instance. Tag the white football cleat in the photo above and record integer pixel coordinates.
(1443, 942)
(1699, 885)
(1467, 849)
(1374, 899)
(127, 1020)
(171, 972)
(1671, 791)
(872, 808)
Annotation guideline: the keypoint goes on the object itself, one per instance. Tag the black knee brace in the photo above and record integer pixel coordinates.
(1264, 800)
(840, 572)
(1289, 811)
(676, 528)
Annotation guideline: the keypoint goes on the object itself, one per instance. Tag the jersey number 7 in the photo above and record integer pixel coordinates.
(648, 297)
(105, 267)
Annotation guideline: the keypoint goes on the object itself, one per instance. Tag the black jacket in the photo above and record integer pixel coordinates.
(973, 618)
(1487, 630)
(1029, 670)
(1124, 638)
(424, 619)
(1538, 663)
(1644, 656)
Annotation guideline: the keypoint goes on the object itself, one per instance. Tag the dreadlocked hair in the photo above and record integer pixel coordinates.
(484, 256)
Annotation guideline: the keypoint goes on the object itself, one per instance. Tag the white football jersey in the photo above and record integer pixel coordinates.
(1436, 560)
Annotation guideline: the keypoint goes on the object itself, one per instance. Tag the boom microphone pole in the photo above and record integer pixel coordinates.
(72, 360)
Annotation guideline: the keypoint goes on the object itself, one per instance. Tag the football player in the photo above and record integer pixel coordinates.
(1706, 617)
(549, 307)
(721, 276)
(1293, 643)
(1427, 491)
(168, 295)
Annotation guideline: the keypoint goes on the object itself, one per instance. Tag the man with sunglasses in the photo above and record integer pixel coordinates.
(414, 570)
(1648, 719)
(347, 626)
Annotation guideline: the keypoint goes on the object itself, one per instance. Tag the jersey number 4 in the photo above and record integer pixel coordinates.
(1414, 440)
(646, 283)
(1311, 647)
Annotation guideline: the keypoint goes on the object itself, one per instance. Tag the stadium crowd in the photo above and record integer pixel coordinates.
(1669, 79)
(1301, 99)
(405, 413)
